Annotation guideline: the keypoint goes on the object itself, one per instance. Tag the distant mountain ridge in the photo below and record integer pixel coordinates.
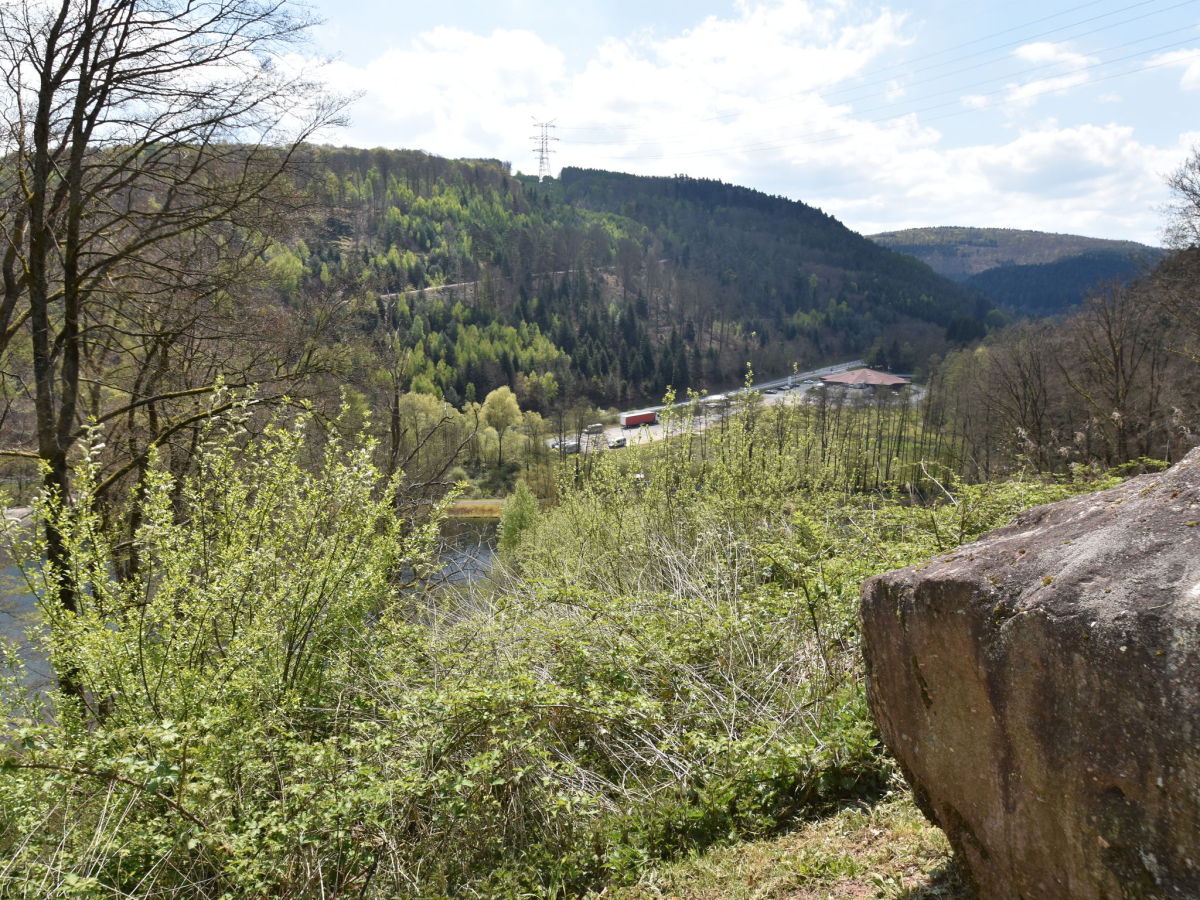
(1029, 272)
(959, 252)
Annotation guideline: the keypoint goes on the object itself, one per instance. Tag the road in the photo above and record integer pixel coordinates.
(647, 433)
(434, 288)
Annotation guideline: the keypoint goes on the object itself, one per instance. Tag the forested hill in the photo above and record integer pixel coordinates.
(1043, 289)
(765, 245)
(599, 285)
(960, 252)
(1029, 272)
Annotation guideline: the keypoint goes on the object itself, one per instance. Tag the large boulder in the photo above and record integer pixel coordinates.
(1041, 691)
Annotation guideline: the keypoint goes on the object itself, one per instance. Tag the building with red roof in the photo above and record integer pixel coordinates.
(866, 378)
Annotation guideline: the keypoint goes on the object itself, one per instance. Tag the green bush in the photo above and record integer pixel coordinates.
(279, 700)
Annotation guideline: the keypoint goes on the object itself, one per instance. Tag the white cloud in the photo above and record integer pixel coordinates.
(1188, 60)
(1095, 180)
(761, 97)
(1048, 52)
(451, 91)
(1049, 55)
(744, 85)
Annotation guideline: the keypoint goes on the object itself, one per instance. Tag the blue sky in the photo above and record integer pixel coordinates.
(1062, 116)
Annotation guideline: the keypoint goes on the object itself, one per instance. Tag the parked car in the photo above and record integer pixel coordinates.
(594, 428)
(570, 446)
(616, 443)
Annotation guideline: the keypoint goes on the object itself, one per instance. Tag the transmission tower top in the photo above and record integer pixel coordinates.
(541, 146)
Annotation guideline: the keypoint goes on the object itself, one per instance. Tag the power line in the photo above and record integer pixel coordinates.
(977, 63)
(833, 134)
(975, 55)
(860, 91)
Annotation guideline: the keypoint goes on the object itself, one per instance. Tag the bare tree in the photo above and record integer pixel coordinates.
(1174, 283)
(1183, 213)
(146, 148)
(1174, 286)
(1117, 365)
(1022, 391)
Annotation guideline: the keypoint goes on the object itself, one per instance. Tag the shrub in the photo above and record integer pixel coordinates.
(279, 702)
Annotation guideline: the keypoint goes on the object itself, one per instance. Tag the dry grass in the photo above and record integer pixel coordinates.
(887, 850)
(476, 509)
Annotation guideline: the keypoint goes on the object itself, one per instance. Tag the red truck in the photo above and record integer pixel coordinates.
(639, 417)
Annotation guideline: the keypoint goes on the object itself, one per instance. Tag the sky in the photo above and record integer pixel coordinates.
(1062, 116)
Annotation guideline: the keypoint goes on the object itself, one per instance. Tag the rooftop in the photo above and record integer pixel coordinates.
(865, 376)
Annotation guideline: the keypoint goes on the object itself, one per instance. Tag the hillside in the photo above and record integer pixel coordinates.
(601, 285)
(1048, 288)
(779, 258)
(960, 252)
(1027, 272)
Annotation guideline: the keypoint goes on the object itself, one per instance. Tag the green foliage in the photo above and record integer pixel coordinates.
(519, 515)
(242, 583)
(285, 266)
(501, 412)
(281, 704)
(214, 650)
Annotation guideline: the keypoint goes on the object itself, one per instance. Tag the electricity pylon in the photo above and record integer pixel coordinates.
(541, 146)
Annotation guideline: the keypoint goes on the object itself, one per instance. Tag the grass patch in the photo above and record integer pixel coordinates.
(476, 509)
(887, 850)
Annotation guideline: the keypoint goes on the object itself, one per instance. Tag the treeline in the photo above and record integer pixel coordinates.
(1112, 383)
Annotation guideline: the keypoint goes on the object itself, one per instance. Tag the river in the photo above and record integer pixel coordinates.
(19, 617)
(468, 549)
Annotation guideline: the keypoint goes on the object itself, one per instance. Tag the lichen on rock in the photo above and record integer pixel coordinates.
(1040, 689)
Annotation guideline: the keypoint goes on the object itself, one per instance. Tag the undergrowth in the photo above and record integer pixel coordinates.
(276, 699)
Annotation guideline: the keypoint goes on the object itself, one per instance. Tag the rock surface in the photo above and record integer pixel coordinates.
(1041, 691)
